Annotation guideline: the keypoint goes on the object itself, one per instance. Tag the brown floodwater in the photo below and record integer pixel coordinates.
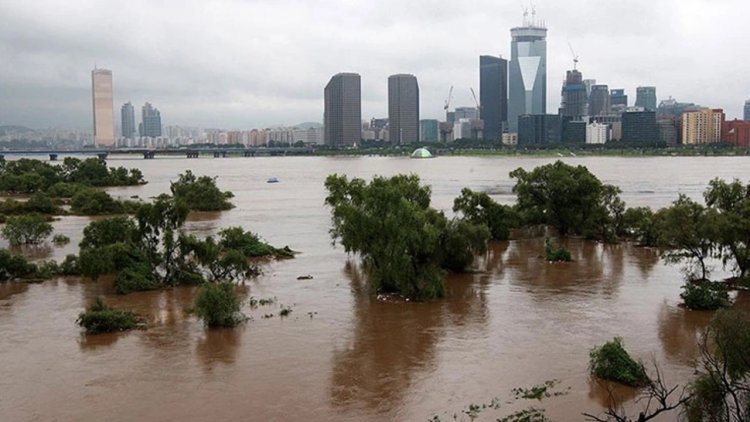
(341, 354)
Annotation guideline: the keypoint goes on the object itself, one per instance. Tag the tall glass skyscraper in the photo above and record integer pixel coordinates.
(403, 109)
(127, 117)
(747, 111)
(102, 98)
(343, 110)
(493, 95)
(645, 96)
(528, 72)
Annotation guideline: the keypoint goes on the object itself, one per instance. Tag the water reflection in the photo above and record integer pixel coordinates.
(393, 342)
(10, 288)
(680, 332)
(33, 252)
(218, 346)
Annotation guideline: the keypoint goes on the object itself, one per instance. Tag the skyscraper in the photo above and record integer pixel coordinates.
(617, 97)
(528, 71)
(747, 111)
(599, 100)
(343, 110)
(428, 130)
(493, 95)
(151, 121)
(102, 99)
(573, 96)
(127, 119)
(645, 96)
(403, 109)
(639, 128)
(702, 127)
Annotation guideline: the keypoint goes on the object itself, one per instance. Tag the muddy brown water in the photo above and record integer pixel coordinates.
(341, 355)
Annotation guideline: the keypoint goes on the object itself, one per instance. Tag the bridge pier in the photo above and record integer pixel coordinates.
(216, 154)
(192, 154)
(2, 158)
(149, 155)
(53, 157)
(102, 156)
(224, 154)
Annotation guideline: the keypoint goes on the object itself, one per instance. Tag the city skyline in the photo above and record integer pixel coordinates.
(243, 77)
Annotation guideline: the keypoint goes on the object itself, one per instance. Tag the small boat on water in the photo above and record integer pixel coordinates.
(272, 180)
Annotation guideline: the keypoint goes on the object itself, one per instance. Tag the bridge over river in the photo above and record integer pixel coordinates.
(149, 153)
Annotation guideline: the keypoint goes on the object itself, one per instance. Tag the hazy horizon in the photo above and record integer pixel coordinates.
(247, 64)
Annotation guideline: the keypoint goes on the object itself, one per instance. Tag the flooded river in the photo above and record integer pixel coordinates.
(341, 355)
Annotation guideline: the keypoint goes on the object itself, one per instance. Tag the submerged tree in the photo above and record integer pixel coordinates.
(200, 193)
(404, 243)
(479, 208)
(731, 225)
(568, 198)
(30, 229)
(686, 230)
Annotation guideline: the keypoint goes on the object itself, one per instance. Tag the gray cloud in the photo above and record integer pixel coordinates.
(244, 64)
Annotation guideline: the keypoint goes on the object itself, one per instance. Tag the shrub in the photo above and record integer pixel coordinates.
(613, 363)
(217, 305)
(95, 202)
(60, 239)
(553, 254)
(100, 318)
(14, 266)
(65, 190)
(250, 244)
(28, 229)
(200, 193)
(135, 278)
(705, 296)
(70, 266)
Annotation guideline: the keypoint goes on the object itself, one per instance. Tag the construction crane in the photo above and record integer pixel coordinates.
(479, 106)
(575, 56)
(448, 100)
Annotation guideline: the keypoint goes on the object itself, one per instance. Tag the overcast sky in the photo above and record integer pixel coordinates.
(257, 63)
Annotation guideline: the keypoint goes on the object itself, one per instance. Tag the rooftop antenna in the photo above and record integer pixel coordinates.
(575, 56)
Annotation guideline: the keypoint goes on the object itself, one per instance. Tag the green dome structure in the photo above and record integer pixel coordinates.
(421, 153)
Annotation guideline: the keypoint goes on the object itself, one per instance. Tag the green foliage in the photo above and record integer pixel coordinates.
(730, 203)
(479, 208)
(14, 266)
(721, 391)
(686, 229)
(200, 193)
(95, 202)
(30, 176)
(100, 318)
(568, 198)
(704, 296)
(643, 225)
(70, 266)
(60, 239)
(250, 244)
(65, 190)
(554, 254)
(108, 231)
(135, 277)
(28, 229)
(460, 241)
(613, 363)
(401, 239)
(218, 305)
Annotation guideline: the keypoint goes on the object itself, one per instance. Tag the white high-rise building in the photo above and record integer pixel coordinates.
(597, 133)
(102, 105)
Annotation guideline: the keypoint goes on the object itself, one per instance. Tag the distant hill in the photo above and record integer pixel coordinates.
(10, 129)
(308, 125)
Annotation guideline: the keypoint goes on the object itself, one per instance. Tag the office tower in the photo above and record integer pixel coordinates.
(736, 132)
(617, 97)
(702, 126)
(589, 83)
(572, 131)
(747, 111)
(103, 107)
(493, 95)
(150, 121)
(403, 109)
(428, 130)
(343, 110)
(597, 133)
(127, 118)
(599, 101)
(573, 96)
(639, 127)
(645, 96)
(539, 129)
(528, 71)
